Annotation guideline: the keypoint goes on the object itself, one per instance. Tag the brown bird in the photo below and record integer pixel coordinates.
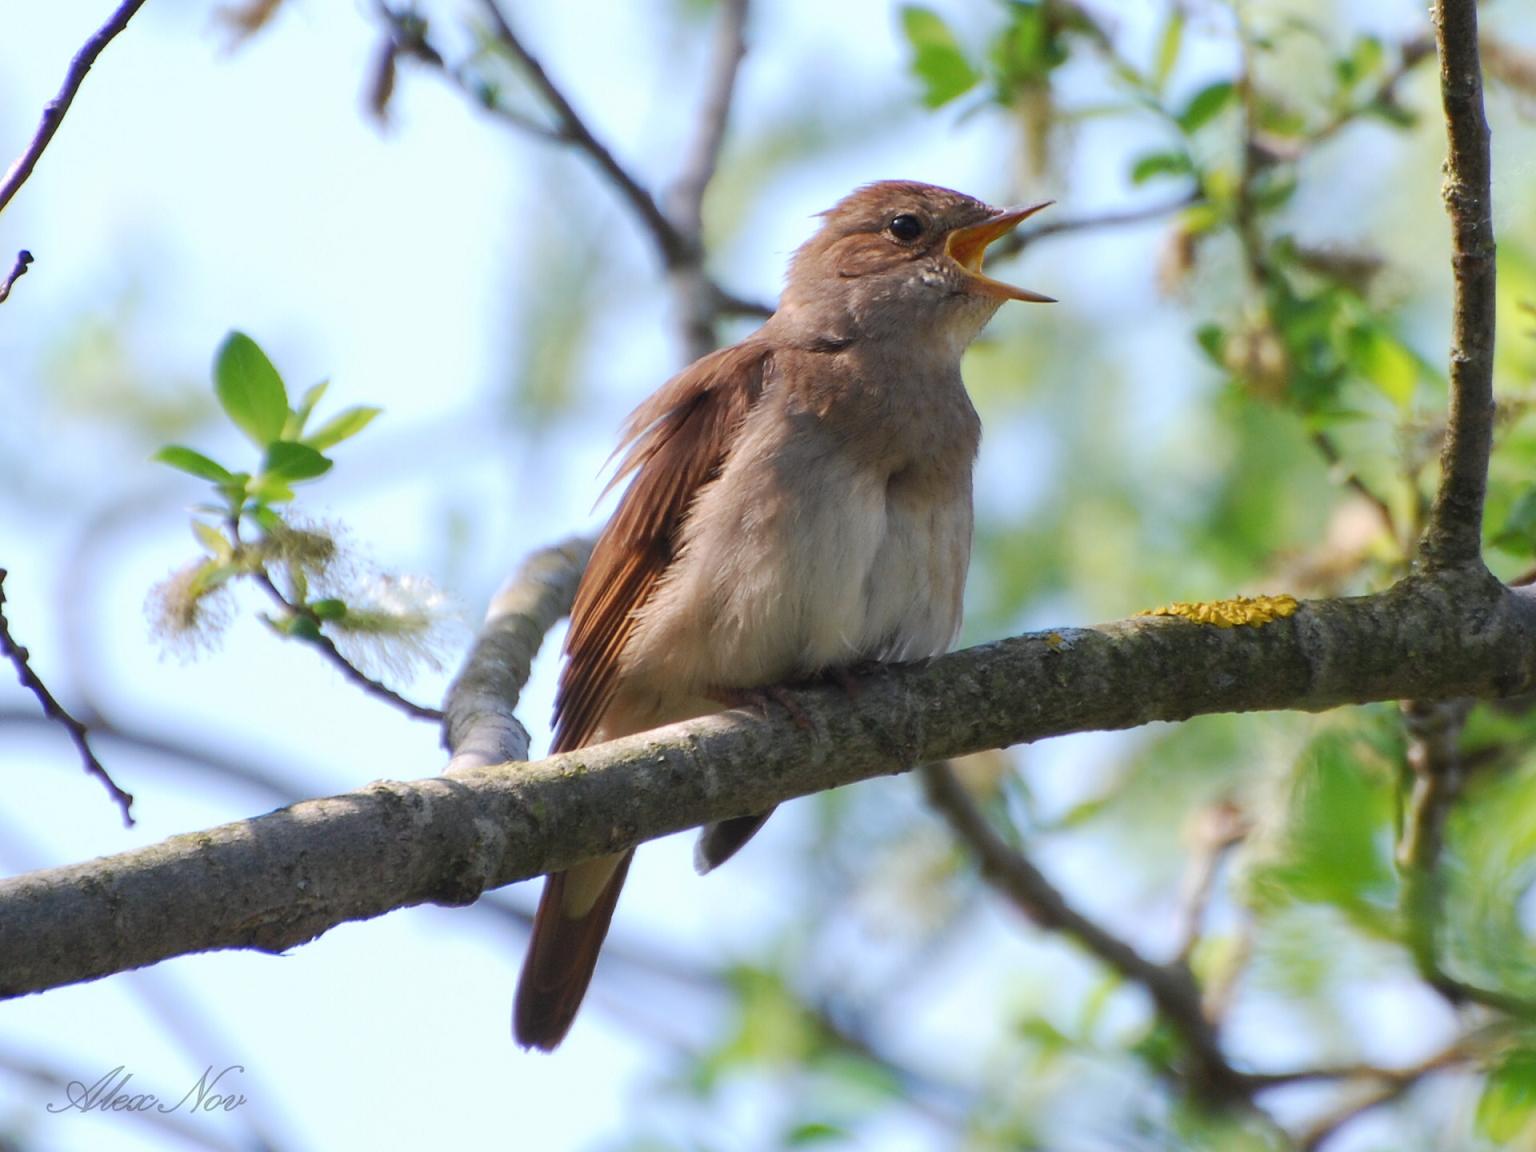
(800, 502)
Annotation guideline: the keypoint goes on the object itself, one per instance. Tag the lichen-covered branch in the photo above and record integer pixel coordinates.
(1454, 536)
(278, 880)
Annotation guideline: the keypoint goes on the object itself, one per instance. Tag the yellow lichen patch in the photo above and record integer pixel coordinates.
(1055, 641)
(1240, 610)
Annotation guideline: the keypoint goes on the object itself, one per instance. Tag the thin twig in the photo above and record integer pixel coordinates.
(18, 270)
(730, 304)
(699, 297)
(1393, 1083)
(1434, 756)
(1335, 461)
(674, 247)
(327, 648)
(1454, 537)
(408, 38)
(1220, 828)
(20, 658)
(322, 642)
(54, 110)
(1411, 53)
(685, 201)
(1172, 988)
(1016, 242)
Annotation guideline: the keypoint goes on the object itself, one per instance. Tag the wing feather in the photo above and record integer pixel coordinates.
(677, 443)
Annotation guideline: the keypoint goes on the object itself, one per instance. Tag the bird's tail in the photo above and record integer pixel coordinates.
(568, 932)
(720, 841)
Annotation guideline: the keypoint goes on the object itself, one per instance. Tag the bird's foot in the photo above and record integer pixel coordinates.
(761, 699)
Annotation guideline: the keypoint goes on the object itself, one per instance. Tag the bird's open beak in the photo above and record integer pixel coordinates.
(967, 246)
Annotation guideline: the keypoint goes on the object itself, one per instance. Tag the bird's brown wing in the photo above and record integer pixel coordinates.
(677, 442)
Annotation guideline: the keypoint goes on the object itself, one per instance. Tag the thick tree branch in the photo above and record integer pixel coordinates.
(1455, 525)
(54, 110)
(279, 880)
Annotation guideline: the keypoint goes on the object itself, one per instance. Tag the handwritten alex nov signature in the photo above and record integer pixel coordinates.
(110, 1094)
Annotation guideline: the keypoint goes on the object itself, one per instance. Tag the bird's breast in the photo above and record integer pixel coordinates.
(804, 555)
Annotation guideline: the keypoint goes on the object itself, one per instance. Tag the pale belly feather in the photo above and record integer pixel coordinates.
(844, 564)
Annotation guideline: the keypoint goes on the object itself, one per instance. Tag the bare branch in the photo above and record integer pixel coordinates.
(408, 38)
(1219, 828)
(1454, 536)
(78, 733)
(685, 202)
(1434, 755)
(281, 879)
(1172, 988)
(674, 247)
(18, 270)
(699, 297)
(479, 724)
(54, 110)
(1391, 1084)
(1335, 461)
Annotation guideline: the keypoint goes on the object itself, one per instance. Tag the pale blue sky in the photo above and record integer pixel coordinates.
(211, 191)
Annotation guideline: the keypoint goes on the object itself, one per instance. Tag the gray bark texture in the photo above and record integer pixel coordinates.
(281, 879)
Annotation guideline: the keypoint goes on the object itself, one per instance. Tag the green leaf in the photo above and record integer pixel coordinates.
(210, 575)
(1509, 1098)
(1386, 363)
(194, 463)
(268, 520)
(293, 427)
(342, 426)
(1031, 47)
(249, 389)
(301, 628)
(1212, 339)
(1335, 849)
(291, 463)
(1519, 531)
(234, 490)
(212, 539)
(269, 489)
(1363, 61)
(813, 1132)
(1392, 112)
(1161, 164)
(1168, 47)
(1205, 105)
(329, 608)
(937, 59)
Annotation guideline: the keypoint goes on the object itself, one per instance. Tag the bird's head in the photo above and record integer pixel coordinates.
(900, 258)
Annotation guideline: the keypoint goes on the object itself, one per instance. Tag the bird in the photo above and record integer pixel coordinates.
(798, 504)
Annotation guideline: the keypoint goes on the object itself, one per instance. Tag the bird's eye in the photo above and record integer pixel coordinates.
(905, 227)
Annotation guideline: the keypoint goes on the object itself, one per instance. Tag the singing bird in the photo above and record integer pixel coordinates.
(797, 503)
